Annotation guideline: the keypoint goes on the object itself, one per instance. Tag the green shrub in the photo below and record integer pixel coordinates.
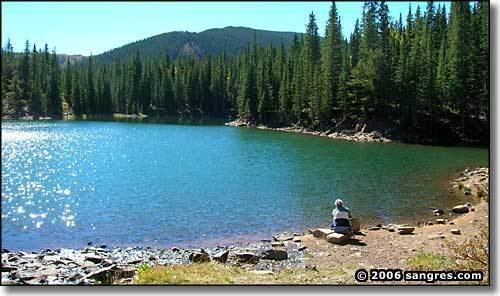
(429, 261)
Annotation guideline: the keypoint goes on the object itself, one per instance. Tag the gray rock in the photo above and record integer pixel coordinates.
(134, 261)
(275, 254)
(104, 275)
(8, 268)
(283, 237)
(438, 211)
(199, 257)
(405, 230)
(337, 238)
(460, 209)
(321, 232)
(277, 244)
(247, 257)
(124, 272)
(94, 259)
(221, 256)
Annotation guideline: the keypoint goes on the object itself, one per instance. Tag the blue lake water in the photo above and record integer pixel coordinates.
(67, 183)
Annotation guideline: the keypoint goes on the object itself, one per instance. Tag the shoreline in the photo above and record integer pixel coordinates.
(356, 135)
(100, 264)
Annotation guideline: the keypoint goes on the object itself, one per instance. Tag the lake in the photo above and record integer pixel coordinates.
(66, 183)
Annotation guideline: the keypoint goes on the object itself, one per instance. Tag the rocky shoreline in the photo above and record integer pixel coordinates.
(358, 134)
(102, 265)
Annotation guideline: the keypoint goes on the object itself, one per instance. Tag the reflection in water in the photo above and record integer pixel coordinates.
(67, 183)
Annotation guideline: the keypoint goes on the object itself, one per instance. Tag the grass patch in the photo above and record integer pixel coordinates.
(429, 261)
(223, 274)
(195, 274)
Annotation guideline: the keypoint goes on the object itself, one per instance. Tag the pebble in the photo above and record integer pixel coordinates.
(92, 265)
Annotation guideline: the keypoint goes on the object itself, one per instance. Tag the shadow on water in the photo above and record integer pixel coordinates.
(204, 120)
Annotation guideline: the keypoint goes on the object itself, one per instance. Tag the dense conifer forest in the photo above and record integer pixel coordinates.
(424, 76)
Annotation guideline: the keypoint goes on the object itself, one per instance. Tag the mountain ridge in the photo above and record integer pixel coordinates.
(232, 39)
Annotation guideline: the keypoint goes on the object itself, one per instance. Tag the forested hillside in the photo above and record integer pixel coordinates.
(424, 76)
(231, 40)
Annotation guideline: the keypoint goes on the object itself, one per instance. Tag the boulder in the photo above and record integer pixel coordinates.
(199, 257)
(104, 275)
(456, 231)
(94, 259)
(337, 238)
(283, 237)
(405, 230)
(297, 239)
(460, 209)
(277, 244)
(275, 254)
(221, 256)
(321, 232)
(134, 261)
(8, 268)
(247, 257)
(124, 272)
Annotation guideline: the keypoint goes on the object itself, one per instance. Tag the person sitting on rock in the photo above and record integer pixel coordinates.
(341, 218)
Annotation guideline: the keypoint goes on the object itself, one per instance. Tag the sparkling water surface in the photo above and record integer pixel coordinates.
(67, 183)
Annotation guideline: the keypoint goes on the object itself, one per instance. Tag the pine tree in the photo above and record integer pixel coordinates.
(54, 106)
(459, 57)
(90, 92)
(331, 66)
(76, 95)
(312, 57)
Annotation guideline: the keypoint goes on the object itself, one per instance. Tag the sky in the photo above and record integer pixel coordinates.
(95, 27)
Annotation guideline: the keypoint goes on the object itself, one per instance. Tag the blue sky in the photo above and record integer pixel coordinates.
(94, 27)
